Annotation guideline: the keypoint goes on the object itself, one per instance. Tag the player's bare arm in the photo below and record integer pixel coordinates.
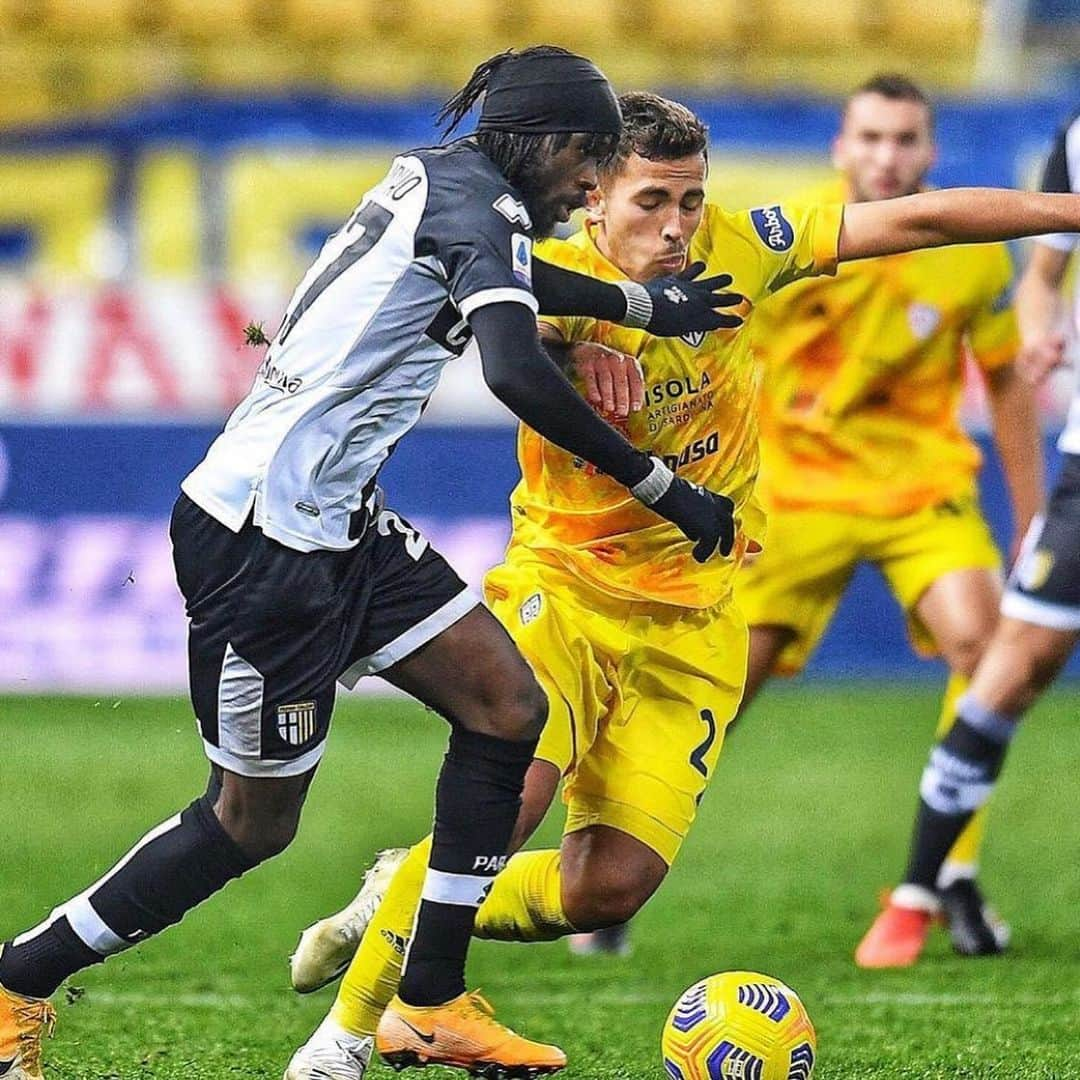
(612, 382)
(1039, 310)
(1016, 433)
(957, 216)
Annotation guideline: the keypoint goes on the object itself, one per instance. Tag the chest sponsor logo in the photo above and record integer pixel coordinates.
(923, 319)
(521, 258)
(773, 229)
(296, 722)
(695, 339)
(671, 389)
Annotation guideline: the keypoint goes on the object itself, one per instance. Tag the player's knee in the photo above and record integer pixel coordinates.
(260, 827)
(514, 709)
(966, 648)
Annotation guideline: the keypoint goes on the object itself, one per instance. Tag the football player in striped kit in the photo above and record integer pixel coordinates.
(296, 576)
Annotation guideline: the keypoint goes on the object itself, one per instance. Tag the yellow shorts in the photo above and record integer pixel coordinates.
(640, 695)
(810, 556)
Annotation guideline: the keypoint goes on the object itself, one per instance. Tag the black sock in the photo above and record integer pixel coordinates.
(957, 780)
(172, 869)
(476, 806)
(37, 966)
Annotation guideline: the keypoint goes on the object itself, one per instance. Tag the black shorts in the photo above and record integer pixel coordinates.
(272, 629)
(1044, 587)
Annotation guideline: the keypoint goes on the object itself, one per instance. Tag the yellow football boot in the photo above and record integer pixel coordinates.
(22, 1023)
(462, 1034)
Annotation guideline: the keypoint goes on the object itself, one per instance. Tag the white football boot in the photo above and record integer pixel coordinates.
(327, 947)
(331, 1054)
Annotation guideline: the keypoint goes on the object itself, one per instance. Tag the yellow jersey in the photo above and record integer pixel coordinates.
(699, 415)
(863, 377)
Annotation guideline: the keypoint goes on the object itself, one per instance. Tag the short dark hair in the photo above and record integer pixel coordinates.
(515, 154)
(894, 87)
(658, 129)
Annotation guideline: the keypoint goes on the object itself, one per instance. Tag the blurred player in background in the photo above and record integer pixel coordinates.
(863, 455)
(641, 650)
(1040, 612)
(295, 576)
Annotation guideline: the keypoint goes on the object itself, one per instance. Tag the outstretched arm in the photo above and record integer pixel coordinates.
(680, 303)
(956, 216)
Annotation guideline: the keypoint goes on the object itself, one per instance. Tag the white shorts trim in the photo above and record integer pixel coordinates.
(239, 705)
(1040, 612)
(407, 643)
(250, 766)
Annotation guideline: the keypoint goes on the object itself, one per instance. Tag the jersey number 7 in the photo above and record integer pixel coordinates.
(373, 219)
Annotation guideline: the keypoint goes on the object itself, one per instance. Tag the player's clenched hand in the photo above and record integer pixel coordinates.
(702, 515)
(611, 381)
(1038, 358)
(685, 303)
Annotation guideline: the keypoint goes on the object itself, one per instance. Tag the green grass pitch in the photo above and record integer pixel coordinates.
(808, 816)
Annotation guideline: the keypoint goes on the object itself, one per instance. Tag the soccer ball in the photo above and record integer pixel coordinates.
(739, 1025)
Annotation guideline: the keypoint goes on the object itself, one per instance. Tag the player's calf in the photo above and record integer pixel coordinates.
(608, 876)
(172, 869)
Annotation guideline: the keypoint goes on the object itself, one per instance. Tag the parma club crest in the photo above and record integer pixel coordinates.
(296, 722)
(1035, 569)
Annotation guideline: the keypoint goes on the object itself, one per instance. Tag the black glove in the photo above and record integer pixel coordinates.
(681, 303)
(702, 515)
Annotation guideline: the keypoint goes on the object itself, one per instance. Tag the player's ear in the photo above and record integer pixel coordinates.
(594, 205)
(836, 154)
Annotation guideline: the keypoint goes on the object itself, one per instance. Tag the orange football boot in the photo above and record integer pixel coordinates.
(22, 1023)
(462, 1034)
(897, 936)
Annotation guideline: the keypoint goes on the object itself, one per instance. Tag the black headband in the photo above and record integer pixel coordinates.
(549, 94)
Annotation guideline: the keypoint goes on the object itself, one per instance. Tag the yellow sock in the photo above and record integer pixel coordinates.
(525, 902)
(963, 857)
(373, 976)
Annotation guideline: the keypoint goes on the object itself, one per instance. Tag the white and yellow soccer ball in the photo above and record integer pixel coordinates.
(739, 1025)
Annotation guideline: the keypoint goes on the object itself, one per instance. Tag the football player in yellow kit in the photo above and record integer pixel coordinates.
(642, 651)
(864, 458)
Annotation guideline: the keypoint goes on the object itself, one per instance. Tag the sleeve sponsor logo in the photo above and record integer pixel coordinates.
(521, 258)
(773, 229)
(512, 210)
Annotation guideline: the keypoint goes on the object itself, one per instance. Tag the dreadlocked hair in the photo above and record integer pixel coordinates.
(515, 154)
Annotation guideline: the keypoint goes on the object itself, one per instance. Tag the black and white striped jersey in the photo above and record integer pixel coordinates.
(1062, 174)
(362, 344)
